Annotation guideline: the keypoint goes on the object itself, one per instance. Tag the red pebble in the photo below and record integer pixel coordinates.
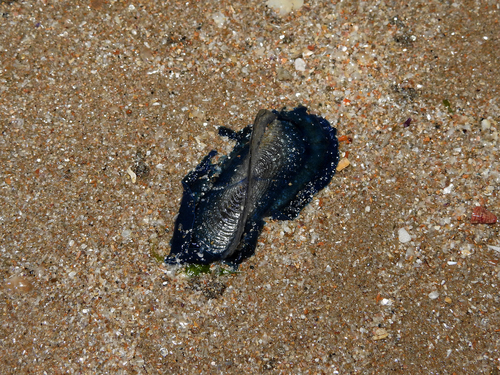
(481, 215)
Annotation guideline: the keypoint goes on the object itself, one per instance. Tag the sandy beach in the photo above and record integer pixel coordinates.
(106, 105)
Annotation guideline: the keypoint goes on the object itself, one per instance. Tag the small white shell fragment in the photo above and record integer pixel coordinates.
(380, 334)
(386, 302)
(307, 53)
(434, 295)
(466, 251)
(447, 190)
(132, 175)
(219, 19)
(300, 65)
(485, 124)
(496, 248)
(126, 234)
(403, 235)
(284, 6)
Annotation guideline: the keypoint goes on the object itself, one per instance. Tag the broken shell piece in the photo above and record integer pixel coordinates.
(380, 334)
(481, 215)
(284, 7)
(132, 175)
(343, 163)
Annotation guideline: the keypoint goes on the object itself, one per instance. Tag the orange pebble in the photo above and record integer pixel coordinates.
(345, 138)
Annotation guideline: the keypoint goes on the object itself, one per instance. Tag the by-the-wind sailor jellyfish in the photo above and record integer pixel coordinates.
(276, 167)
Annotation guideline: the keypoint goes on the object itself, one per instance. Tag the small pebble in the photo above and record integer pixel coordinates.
(219, 19)
(480, 215)
(466, 251)
(380, 334)
(300, 65)
(404, 236)
(485, 124)
(447, 190)
(343, 163)
(283, 75)
(126, 234)
(284, 7)
(18, 284)
(434, 295)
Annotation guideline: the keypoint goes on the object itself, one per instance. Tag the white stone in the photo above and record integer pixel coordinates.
(447, 190)
(404, 236)
(485, 124)
(434, 295)
(300, 65)
(219, 19)
(284, 6)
